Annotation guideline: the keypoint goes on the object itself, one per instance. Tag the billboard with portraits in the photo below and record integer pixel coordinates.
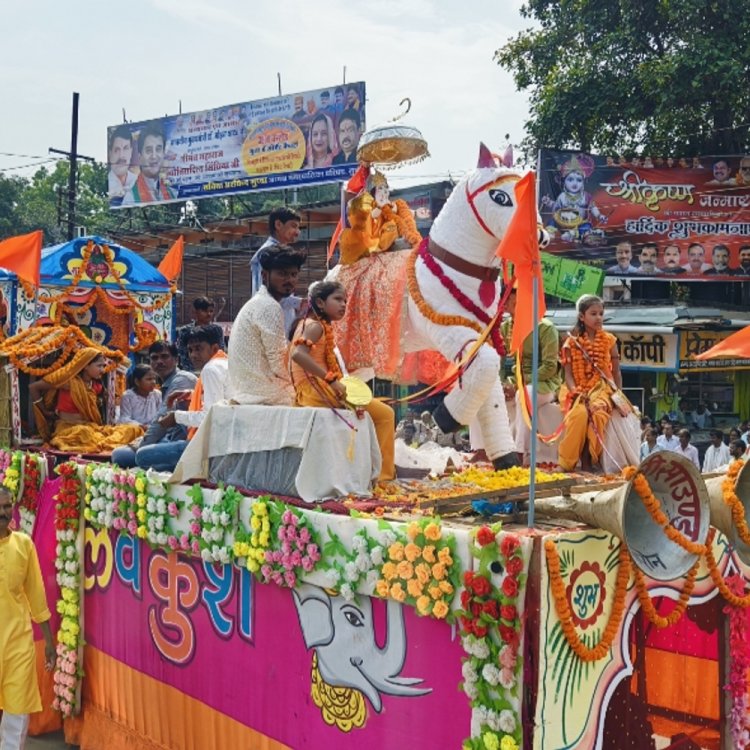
(284, 141)
(666, 219)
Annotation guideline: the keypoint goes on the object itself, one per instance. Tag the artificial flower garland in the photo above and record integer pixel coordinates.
(346, 569)
(734, 599)
(213, 524)
(67, 517)
(739, 652)
(658, 516)
(585, 373)
(491, 636)
(418, 568)
(28, 503)
(565, 616)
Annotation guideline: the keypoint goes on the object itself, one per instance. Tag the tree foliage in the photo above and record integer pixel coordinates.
(653, 77)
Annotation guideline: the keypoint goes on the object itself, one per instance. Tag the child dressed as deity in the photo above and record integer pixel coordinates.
(316, 372)
(592, 374)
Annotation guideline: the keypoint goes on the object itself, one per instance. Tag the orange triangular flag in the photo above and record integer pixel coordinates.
(520, 246)
(171, 264)
(23, 255)
(736, 346)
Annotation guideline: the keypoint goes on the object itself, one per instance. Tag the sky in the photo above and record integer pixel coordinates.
(145, 56)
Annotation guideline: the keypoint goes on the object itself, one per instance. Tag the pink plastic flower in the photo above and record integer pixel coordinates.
(290, 579)
(304, 535)
(172, 542)
(307, 564)
(172, 508)
(196, 511)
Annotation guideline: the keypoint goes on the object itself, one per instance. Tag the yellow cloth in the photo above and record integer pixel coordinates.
(22, 600)
(381, 414)
(91, 436)
(586, 420)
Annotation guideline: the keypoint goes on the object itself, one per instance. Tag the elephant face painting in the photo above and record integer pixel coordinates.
(348, 664)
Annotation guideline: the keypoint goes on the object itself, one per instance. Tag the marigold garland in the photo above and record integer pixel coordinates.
(565, 616)
(716, 577)
(729, 494)
(585, 373)
(330, 349)
(653, 506)
(647, 604)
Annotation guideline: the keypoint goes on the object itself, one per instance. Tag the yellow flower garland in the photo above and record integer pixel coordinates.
(678, 610)
(716, 577)
(652, 505)
(432, 315)
(565, 616)
(729, 495)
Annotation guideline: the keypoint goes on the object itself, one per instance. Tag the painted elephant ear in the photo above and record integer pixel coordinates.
(314, 612)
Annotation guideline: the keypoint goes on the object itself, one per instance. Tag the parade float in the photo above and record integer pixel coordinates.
(197, 613)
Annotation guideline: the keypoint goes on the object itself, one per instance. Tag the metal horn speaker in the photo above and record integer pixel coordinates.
(721, 513)
(682, 494)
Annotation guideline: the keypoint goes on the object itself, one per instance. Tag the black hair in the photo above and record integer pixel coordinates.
(339, 90)
(717, 433)
(121, 131)
(153, 129)
(583, 304)
(739, 443)
(137, 373)
(327, 94)
(163, 346)
(210, 334)
(202, 303)
(282, 214)
(684, 431)
(350, 114)
(321, 291)
(280, 257)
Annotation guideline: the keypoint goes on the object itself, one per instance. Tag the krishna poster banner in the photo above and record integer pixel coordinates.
(666, 219)
(298, 139)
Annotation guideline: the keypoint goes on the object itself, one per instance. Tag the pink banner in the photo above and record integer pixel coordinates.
(282, 663)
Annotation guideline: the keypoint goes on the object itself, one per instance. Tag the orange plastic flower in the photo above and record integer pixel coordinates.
(428, 552)
(445, 556)
(440, 610)
(423, 605)
(405, 570)
(438, 571)
(423, 573)
(396, 551)
(435, 592)
(446, 587)
(412, 551)
(397, 592)
(389, 571)
(381, 588)
(413, 530)
(432, 532)
(415, 588)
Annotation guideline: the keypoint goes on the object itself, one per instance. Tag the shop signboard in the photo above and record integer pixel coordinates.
(647, 351)
(697, 342)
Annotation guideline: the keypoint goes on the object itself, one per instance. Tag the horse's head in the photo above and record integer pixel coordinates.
(477, 213)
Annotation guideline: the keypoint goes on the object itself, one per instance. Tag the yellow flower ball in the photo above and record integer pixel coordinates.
(141, 515)
(432, 532)
(445, 556)
(142, 532)
(415, 588)
(413, 530)
(428, 552)
(423, 573)
(396, 551)
(405, 570)
(438, 571)
(440, 610)
(435, 592)
(389, 571)
(423, 605)
(255, 523)
(446, 587)
(397, 592)
(412, 551)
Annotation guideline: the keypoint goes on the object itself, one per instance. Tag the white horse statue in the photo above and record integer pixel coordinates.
(454, 288)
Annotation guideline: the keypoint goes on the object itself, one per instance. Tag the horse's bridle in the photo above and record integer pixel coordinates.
(470, 196)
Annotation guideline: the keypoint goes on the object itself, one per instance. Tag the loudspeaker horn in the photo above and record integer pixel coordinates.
(682, 494)
(721, 513)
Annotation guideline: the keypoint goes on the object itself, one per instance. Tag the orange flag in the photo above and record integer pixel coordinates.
(23, 255)
(171, 264)
(736, 346)
(520, 246)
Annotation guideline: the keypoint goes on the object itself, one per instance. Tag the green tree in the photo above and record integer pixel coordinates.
(656, 77)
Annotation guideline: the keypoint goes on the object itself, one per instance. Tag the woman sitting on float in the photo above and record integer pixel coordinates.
(69, 407)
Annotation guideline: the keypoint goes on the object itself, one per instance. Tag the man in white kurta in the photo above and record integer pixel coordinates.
(717, 454)
(22, 600)
(258, 365)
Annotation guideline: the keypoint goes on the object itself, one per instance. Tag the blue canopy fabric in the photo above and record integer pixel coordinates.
(59, 263)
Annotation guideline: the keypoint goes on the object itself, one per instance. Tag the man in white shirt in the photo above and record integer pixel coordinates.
(204, 348)
(283, 227)
(686, 449)
(717, 454)
(258, 364)
(701, 417)
(667, 441)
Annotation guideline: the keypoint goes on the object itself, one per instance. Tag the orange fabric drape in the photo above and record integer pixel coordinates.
(196, 400)
(171, 264)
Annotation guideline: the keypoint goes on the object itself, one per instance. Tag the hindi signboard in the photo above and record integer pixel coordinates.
(284, 141)
(647, 351)
(697, 342)
(668, 220)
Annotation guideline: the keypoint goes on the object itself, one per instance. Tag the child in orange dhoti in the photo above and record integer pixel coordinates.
(316, 372)
(592, 367)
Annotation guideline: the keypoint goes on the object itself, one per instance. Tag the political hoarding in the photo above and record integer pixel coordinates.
(668, 220)
(285, 141)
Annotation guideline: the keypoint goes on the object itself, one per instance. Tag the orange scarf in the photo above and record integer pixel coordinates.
(196, 400)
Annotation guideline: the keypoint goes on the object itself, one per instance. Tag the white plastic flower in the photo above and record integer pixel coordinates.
(347, 592)
(359, 543)
(469, 672)
(491, 674)
(376, 555)
(507, 721)
(351, 573)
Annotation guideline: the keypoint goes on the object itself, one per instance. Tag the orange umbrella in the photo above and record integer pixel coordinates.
(736, 346)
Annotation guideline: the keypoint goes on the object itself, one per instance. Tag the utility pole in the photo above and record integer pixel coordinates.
(73, 157)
